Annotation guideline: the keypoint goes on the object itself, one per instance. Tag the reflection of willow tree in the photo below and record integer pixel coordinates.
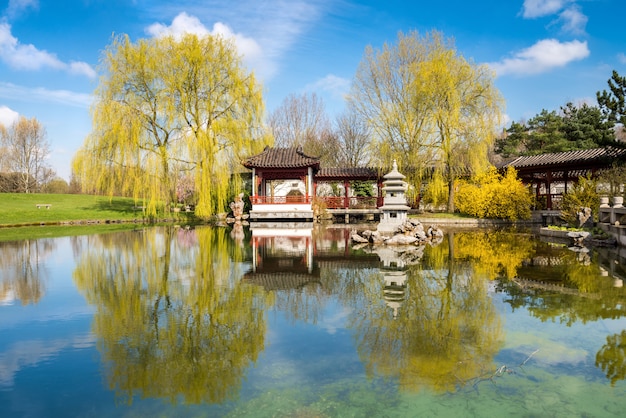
(21, 269)
(612, 357)
(301, 304)
(447, 330)
(172, 317)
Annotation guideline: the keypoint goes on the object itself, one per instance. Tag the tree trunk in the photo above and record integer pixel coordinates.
(451, 207)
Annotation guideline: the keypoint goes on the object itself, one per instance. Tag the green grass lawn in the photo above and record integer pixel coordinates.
(20, 209)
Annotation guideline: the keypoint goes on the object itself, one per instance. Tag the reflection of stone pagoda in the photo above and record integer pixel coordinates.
(394, 210)
(394, 274)
(394, 290)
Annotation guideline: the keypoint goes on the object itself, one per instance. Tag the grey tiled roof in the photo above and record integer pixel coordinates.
(281, 158)
(347, 173)
(604, 155)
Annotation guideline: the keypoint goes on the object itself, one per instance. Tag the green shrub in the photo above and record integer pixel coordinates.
(582, 195)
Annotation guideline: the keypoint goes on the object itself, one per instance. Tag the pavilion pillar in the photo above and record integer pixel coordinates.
(346, 198)
(309, 183)
(549, 188)
(254, 185)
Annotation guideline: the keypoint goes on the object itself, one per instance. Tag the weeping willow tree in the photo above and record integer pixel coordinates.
(167, 109)
(429, 108)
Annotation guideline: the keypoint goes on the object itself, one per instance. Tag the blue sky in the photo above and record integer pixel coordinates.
(545, 52)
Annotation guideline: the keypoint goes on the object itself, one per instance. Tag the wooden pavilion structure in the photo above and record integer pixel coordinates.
(285, 181)
(550, 175)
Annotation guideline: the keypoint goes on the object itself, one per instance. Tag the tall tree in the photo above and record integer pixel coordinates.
(169, 106)
(428, 106)
(613, 102)
(354, 140)
(301, 121)
(545, 133)
(573, 128)
(514, 142)
(585, 127)
(26, 149)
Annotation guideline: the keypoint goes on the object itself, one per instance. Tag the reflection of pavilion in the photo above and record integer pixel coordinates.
(292, 258)
(282, 258)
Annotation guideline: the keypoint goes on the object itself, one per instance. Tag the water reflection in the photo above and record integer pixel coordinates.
(566, 286)
(182, 314)
(425, 315)
(418, 316)
(446, 332)
(172, 318)
(22, 271)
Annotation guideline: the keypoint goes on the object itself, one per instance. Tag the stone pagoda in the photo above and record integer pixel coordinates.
(395, 209)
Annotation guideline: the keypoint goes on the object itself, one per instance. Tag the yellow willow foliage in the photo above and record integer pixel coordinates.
(172, 317)
(427, 105)
(166, 106)
(436, 190)
(493, 254)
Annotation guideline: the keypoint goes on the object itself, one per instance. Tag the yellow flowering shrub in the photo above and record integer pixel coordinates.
(495, 196)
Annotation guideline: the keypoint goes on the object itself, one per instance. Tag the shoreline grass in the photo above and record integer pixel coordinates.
(20, 218)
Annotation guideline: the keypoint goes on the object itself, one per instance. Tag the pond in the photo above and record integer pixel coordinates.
(215, 322)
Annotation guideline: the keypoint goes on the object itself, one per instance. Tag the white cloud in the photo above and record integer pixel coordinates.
(337, 86)
(538, 8)
(573, 20)
(274, 26)
(28, 57)
(543, 56)
(8, 116)
(65, 97)
(82, 68)
(28, 353)
(570, 17)
(184, 23)
(16, 7)
(621, 57)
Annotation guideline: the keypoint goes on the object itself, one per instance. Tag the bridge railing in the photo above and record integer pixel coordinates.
(354, 202)
(280, 200)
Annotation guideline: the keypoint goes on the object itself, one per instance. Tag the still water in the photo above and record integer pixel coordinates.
(210, 322)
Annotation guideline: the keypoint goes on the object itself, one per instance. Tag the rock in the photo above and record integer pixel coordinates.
(420, 235)
(578, 237)
(583, 217)
(578, 234)
(434, 232)
(377, 238)
(401, 239)
(411, 231)
(359, 239)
